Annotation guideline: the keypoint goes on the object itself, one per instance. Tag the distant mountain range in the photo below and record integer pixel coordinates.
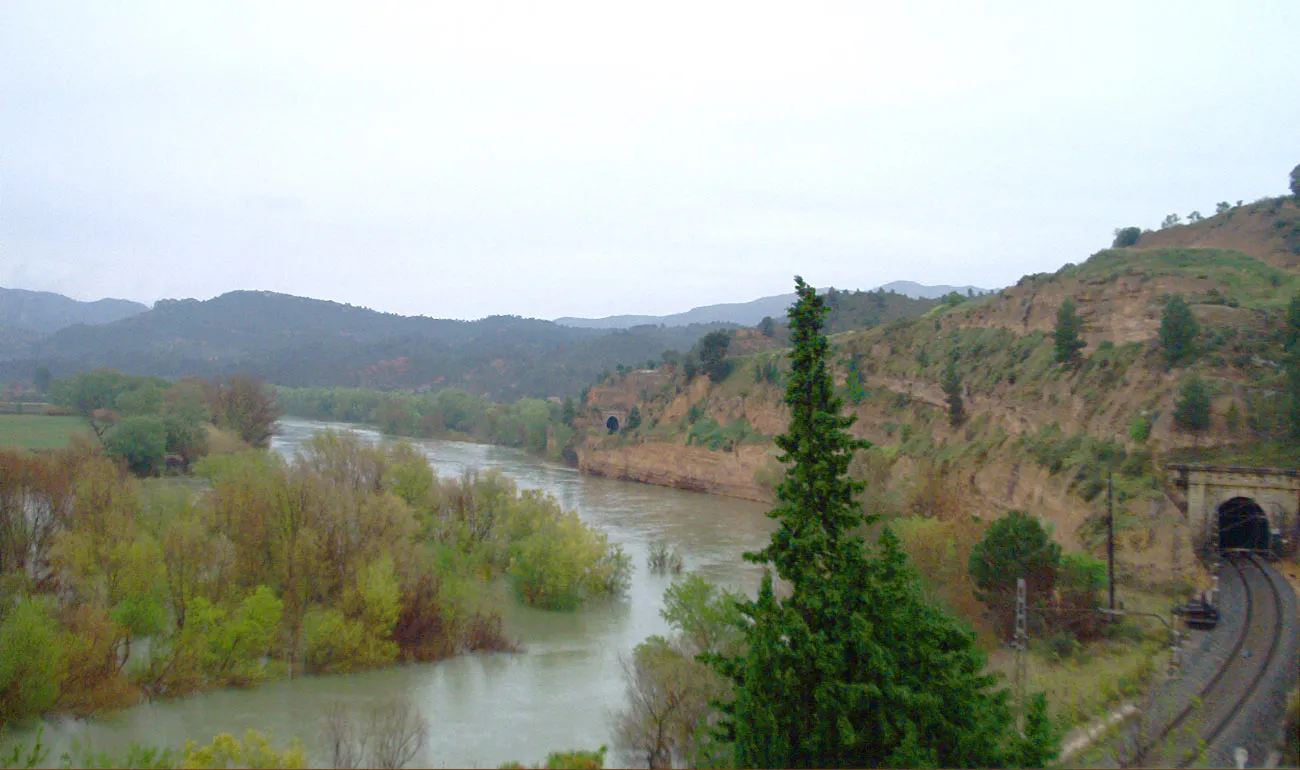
(45, 312)
(747, 313)
(298, 341)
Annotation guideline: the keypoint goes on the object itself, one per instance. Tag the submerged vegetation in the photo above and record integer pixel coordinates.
(348, 557)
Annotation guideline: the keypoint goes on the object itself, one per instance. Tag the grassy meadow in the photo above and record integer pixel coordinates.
(38, 431)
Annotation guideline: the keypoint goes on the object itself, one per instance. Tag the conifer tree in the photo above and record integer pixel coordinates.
(952, 389)
(1192, 413)
(856, 668)
(1068, 343)
(1178, 330)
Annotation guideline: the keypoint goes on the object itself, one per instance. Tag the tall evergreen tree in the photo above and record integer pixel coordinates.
(855, 668)
(952, 389)
(1192, 412)
(1068, 343)
(1178, 330)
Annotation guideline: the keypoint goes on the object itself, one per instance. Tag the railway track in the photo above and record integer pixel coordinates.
(1199, 724)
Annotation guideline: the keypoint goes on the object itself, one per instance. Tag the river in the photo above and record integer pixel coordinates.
(484, 709)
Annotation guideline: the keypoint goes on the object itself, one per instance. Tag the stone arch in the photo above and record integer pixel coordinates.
(1243, 524)
(612, 423)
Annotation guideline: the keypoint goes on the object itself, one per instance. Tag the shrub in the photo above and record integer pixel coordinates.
(664, 558)
(1139, 429)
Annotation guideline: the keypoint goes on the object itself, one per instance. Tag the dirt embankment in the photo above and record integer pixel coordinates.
(731, 474)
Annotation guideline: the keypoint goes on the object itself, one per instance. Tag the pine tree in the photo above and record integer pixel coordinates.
(1192, 413)
(856, 668)
(952, 389)
(1178, 330)
(1066, 336)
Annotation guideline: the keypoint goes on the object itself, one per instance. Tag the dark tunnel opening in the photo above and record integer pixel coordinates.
(1243, 524)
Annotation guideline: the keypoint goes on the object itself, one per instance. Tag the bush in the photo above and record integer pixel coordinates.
(1139, 429)
(664, 558)
(1062, 646)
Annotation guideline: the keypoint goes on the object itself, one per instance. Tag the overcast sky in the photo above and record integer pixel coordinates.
(548, 159)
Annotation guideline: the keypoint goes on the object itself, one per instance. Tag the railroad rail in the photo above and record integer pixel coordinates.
(1196, 727)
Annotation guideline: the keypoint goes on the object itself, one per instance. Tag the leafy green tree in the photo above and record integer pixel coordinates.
(31, 659)
(41, 380)
(1015, 546)
(1222, 207)
(185, 413)
(712, 352)
(141, 442)
(92, 395)
(705, 616)
(1066, 338)
(1195, 216)
(856, 668)
(145, 399)
(245, 405)
(252, 632)
(1192, 412)
(1178, 331)
(1126, 236)
(1080, 580)
(767, 327)
(952, 389)
(1295, 182)
(1173, 220)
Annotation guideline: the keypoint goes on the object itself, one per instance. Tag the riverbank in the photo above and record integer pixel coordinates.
(483, 709)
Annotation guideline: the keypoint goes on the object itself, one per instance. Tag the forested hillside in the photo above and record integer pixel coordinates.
(298, 341)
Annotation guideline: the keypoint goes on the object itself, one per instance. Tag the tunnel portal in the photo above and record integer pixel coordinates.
(1242, 524)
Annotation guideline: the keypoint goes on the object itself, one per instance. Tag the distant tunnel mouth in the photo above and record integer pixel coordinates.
(612, 424)
(1243, 524)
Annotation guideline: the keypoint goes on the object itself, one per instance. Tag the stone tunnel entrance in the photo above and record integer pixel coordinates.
(612, 424)
(1241, 507)
(1243, 524)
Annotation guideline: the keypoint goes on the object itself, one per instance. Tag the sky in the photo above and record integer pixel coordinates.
(555, 159)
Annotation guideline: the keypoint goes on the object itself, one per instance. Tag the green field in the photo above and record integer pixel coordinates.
(37, 431)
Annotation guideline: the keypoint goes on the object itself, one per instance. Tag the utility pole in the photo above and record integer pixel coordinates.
(1021, 645)
(1110, 535)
